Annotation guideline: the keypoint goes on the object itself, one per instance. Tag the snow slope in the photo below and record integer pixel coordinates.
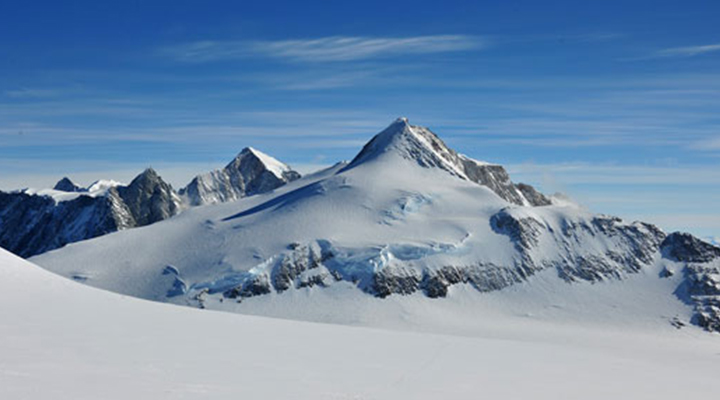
(63, 340)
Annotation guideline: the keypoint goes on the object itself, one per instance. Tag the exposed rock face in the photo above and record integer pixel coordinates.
(532, 195)
(497, 179)
(523, 232)
(687, 248)
(250, 173)
(421, 145)
(394, 280)
(701, 286)
(258, 285)
(33, 224)
(66, 185)
(148, 198)
(301, 267)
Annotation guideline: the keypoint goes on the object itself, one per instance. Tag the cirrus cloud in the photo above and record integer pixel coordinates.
(332, 48)
(688, 51)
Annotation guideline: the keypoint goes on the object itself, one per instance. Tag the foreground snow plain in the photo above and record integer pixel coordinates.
(63, 340)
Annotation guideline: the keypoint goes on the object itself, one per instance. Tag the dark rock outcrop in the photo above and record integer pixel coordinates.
(256, 286)
(31, 224)
(396, 281)
(701, 286)
(148, 198)
(532, 195)
(523, 232)
(687, 248)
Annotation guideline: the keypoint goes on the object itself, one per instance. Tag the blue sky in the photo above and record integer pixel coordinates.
(615, 103)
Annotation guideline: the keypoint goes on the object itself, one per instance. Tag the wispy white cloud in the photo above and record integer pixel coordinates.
(688, 51)
(31, 93)
(695, 222)
(711, 144)
(677, 52)
(333, 48)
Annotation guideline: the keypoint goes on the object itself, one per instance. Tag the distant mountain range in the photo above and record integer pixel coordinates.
(33, 222)
(407, 216)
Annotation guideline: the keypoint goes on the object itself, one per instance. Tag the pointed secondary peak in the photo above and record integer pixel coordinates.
(66, 185)
(246, 150)
(257, 153)
(148, 177)
(250, 172)
(275, 166)
(251, 152)
(149, 171)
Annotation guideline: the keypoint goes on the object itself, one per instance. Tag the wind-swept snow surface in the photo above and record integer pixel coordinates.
(62, 340)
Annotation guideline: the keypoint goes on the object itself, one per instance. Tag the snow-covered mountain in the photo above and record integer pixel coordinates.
(35, 221)
(408, 216)
(251, 172)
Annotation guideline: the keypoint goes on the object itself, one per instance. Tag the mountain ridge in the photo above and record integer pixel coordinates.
(31, 224)
(36, 221)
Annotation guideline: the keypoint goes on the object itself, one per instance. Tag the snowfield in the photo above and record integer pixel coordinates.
(63, 340)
